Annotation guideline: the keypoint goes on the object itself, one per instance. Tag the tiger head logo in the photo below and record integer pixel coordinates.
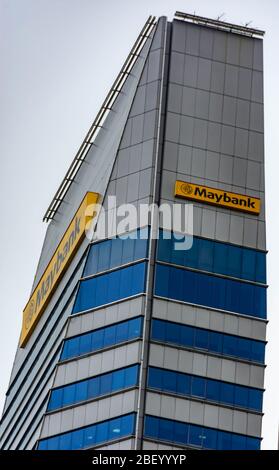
(187, 189)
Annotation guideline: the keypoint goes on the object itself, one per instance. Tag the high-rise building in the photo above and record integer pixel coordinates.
(130, 344)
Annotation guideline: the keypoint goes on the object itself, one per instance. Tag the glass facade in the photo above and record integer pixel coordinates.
(117, 251)
(215, 257)
(110, 287)
(207, 340)
(211, 291)
(176, 432)
(102, 338)
(205, 389)
(90, 436)
(101, 385)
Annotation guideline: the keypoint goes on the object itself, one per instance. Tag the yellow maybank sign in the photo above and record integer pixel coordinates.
(217, 197)
(57, 265)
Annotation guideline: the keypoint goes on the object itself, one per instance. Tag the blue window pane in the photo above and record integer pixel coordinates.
(158, 330)
(201, 339)
(199, 436)
(198, 387)
(180, 433)
(215, 257)
(213, 390)
(224, 441)
(255, 399)
(229, 345)
(171, 333)
(72, 347)
(134, 328)
(261, 267)
(205, 255)
(94, 387)
(155, 378)
(221, 258)
(105, 384)
(131, 376)
(241, 396)
(227, 393)
(85, 344)
(244, 348)
(116, 252)
(110, 287)
(65, 441)
(56, 399)
(225, 344)
(257, 351)
(212, 291)
(102, 432)
(238, 442)
(77, 439)
(116, 428)
(183, 384)
(81, 391)
(52, 443)
(252, 443)
(127, 424)
(215, 342)
(43, 444)
(101, 338)
(209, 438)
(166, 429)
(169, 381)
(97, 340)
(122, 332)
(151, 426)
(110, 336)
(195, 435)
(118, 380)
(187, 336)
(90, 435)
(69, 394)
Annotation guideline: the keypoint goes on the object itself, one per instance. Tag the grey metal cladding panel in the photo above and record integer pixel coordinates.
(244, 83)
(203, 414)
(233, 49)
(215, 107)
(242, 113)
(178, 36)
(99, 363)
(229, 110)
(257, 86)
(21, 362)
(258, 55)
(95, 173)
(202, 317)
(256, 146)
(89, 413)
(175, 97)
(177, 67)
(231, 80)
(198, 363)
(220, 46)
(30, 418)
(127, 444)
(202, 104)
(158, 38)
(105, 316)
(219, 76)
(204, 74)
(193, 39)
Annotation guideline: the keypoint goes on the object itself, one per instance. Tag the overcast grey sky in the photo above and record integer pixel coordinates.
(58, 61)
